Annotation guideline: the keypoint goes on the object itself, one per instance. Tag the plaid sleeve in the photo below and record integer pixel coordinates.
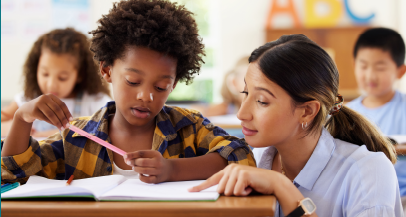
(210, 138)
(44, 158)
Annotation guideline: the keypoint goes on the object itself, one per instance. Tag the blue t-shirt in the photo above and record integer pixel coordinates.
(391, 119)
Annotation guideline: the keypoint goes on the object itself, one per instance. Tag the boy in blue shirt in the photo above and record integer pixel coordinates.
(379, 55)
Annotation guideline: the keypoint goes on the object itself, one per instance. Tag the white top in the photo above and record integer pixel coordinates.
(258, 153)
(344, 179)
(86, 106)
(129, 174)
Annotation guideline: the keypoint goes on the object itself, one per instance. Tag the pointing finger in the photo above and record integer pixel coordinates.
(213, 180)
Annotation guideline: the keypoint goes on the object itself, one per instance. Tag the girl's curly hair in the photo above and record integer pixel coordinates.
(64, 41)
(159, 25)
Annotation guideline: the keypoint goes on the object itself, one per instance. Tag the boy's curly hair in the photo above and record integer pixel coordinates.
(159, 25)
(64, 41)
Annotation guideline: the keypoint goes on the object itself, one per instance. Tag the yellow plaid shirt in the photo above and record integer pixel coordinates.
(179, 133)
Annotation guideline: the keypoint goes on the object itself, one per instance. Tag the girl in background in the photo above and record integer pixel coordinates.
(60, 63)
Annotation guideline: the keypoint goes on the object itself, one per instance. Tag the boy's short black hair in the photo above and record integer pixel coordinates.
(159, 25)
(385, 39)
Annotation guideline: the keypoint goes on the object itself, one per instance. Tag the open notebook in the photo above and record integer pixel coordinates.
(111, 188)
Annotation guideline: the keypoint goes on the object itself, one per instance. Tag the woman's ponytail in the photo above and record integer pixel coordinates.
(352, 127)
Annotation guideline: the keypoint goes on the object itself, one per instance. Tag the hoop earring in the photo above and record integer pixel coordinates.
(304, 127)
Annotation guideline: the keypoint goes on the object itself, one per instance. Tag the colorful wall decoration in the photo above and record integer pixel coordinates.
(311, 16)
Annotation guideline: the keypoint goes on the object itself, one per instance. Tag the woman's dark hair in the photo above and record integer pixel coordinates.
(64, 41)
(306, 72)
(159, 25)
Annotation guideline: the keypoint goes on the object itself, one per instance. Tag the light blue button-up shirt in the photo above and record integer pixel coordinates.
(344, 179)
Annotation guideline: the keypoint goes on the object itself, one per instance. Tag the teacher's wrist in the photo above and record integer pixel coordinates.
(287, 194)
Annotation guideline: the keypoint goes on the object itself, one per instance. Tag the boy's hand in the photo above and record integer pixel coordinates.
(152, 167)
(47, 108)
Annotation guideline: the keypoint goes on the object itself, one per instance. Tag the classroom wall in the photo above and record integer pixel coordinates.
(242, 25)
(239, 28)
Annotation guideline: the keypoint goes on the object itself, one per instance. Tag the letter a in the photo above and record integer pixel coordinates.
(278, 9)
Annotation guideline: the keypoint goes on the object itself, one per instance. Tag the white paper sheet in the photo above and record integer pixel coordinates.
(135, 189)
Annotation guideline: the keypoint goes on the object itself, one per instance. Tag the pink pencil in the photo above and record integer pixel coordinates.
(98, 140)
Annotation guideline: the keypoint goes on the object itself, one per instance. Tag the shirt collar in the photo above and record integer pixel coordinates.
(318, 161)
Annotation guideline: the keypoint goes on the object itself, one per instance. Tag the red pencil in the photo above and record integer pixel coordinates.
(69, 180)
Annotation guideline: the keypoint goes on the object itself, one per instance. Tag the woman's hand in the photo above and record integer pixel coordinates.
(47, 108)
(240, 180)
(150, 164)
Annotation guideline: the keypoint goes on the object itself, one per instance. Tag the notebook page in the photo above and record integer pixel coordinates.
(38, 186)
(134, 189)
(99, 185)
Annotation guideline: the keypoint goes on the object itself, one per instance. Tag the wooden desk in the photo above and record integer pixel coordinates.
(259, 205)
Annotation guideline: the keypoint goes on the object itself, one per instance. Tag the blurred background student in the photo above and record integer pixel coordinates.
(60, 63)
(379, 55)
(233, 84)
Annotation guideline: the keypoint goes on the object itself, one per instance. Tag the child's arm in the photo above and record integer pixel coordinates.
(196, 168)
(212, 139)
(47, 108)
(158, 169)
(213, 147)
(44, 158)
(8, 112)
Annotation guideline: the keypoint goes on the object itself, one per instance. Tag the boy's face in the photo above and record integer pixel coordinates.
(375, 71)
(142, 81)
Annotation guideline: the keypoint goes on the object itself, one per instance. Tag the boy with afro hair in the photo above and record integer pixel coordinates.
(144, 48)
